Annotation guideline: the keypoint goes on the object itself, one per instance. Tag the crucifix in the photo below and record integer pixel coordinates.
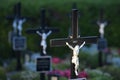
(44, 31)
(75, 42)
(102, 42)
(101, 23)
(18, 20)
(16, 38)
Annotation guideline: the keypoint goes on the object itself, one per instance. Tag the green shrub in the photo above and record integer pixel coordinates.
(113, 71)
(25, 75)
(2, 74)
(88, 60)
(12, 66)
(15, 76)
(97, 74)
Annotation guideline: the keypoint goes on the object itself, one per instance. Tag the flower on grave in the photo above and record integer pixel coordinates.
(56, 60)
(61, 73)
(57, 72)
(83, 74)
(28, 75)
(119, 51)
(107, 50)
(67, 73)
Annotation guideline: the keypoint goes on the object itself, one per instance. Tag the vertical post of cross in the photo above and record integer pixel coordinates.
(16, 35)
(102, 42)
(44, 31)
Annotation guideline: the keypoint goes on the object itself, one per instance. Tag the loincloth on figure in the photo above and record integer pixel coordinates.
(75, 60)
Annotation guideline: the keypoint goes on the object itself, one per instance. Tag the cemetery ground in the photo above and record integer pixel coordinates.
(61, 66)
(88, 68)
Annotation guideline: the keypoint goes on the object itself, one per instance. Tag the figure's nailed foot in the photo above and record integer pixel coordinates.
(76, 72)
(44, 52)
(71, 37)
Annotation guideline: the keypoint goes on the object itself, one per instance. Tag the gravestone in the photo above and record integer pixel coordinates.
(44, 64)
(19, 43)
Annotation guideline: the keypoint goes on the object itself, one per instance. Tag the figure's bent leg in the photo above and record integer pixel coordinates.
(44, 49)
(20, 32)
(76, 67)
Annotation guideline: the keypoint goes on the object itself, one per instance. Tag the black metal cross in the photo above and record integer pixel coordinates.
(42, 29)
(17, 16)
(17, 13)
(102, 42)
(74, 39)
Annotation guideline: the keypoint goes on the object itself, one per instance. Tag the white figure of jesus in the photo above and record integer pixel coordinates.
(75, 59)
(43, 41)
(101, 29)
(15, 25)
(20, 22)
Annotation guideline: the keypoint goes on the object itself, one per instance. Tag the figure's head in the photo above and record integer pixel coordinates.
(44, 34)
(43, 31)
(102, 25)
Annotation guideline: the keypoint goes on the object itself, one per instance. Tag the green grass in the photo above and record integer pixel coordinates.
(89, 10)
(57, 3)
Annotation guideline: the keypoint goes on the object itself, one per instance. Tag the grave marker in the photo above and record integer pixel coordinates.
(102, 42)
(44, 64)
(74, 39)
(15, 37)
(19, 43)
(43, 31)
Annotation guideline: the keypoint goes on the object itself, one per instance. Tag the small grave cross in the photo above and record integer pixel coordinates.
(75, 42)
(43, 31)
(101, 23)
(18, 20)
(15, 36)
(102, 42)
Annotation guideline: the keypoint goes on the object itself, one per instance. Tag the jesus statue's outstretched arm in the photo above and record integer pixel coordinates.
(82, 45)
(69, 46)
(49, 33)
(38, 33)
(14, 24)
